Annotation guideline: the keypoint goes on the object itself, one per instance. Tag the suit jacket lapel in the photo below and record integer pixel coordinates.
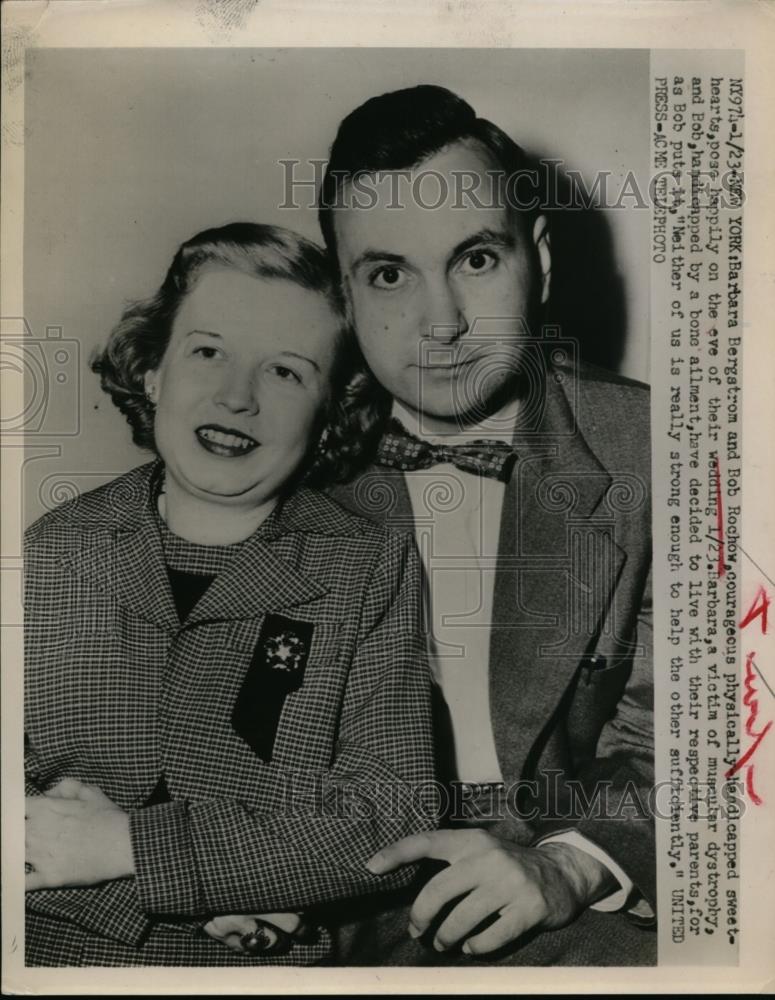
(557, 567)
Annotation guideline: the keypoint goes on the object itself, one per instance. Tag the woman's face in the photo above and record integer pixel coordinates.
(242, 384)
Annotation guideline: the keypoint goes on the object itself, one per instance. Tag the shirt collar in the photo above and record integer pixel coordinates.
(497, 427)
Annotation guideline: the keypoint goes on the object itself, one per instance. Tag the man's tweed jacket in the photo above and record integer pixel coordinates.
(119, 693)
(571, 687)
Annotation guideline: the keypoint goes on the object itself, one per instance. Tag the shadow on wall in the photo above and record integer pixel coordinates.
(587, 299)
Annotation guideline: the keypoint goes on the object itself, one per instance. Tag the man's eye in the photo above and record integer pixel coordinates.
(478, 262)
(387, 277)
(285, 374)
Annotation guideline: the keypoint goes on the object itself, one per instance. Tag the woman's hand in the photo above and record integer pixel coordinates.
(75, 836)
(267, 932)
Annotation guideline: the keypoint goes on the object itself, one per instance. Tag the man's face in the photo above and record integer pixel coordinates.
(441, 298)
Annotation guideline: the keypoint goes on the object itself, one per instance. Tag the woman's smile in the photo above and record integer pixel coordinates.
(225, 441)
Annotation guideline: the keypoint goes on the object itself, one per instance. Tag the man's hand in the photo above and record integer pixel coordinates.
(517, 888)
(75, 836)
(232, 929)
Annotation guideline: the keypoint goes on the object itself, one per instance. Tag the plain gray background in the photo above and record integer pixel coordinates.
(128, 152)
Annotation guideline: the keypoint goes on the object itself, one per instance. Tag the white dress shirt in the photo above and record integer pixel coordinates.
(457, 518)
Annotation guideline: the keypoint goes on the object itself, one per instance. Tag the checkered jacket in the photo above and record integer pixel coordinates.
(118, 693)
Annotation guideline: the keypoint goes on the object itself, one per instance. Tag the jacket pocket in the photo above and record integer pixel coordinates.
(599, 685)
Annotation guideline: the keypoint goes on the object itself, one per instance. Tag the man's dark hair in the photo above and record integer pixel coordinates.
(398, 130)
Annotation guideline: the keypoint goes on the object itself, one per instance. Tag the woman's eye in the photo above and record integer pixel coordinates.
(285, 374)
(478, 262)
(206, 352)
(388, 278)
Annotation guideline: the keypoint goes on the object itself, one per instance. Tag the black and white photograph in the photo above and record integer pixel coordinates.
(386, 597)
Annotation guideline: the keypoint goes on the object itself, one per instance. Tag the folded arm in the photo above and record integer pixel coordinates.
(220, 856)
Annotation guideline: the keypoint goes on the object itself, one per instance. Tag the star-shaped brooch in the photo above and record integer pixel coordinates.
(285, 651)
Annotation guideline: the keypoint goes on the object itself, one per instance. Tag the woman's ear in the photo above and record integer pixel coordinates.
(348, 302)
(151, 387)
(542, 242)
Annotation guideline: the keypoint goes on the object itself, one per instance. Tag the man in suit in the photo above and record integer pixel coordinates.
(525, 475)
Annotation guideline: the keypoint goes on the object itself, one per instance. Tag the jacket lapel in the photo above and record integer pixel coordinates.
(258, 580)
(129, 563)
(380, 494)
(264, 575)
(557, 567)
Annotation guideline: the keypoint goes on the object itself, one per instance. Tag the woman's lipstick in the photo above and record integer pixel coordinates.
(225, 441)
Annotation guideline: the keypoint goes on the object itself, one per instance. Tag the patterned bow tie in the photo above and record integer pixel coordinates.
(399, 449)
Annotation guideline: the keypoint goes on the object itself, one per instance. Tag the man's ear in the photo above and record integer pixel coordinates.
(542, 242)
(151, 386)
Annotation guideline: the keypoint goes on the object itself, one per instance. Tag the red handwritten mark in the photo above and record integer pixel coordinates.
(720, 564)
(751, 702)
(760, 607)
(751, 791)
